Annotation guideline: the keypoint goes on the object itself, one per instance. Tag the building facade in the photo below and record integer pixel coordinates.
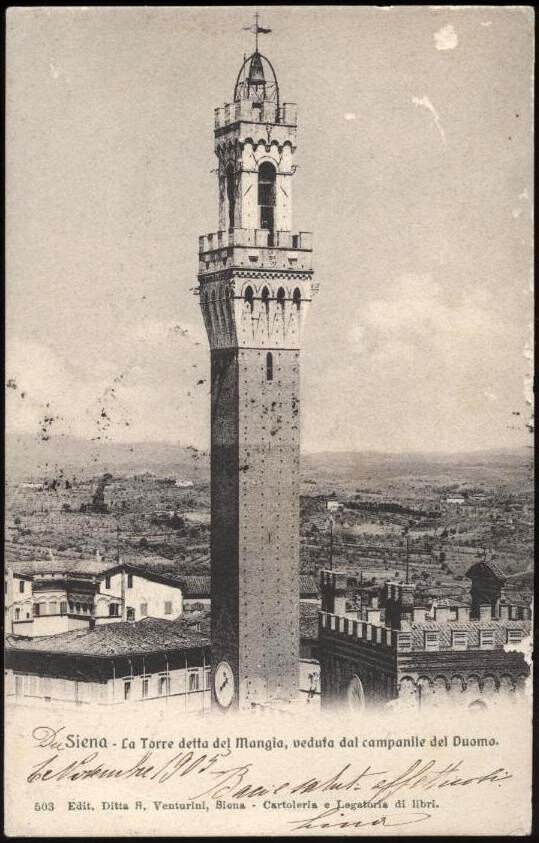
(149, 661)
(17, 599)
(130, 593)
(255, 287)
(52, 602)
(398, 649)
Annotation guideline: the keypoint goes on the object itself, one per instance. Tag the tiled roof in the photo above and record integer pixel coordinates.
(89, 567)
(200, 618)
(150, 635)
(472, 629)
(195, 586)
(191, 586)
(308, 586)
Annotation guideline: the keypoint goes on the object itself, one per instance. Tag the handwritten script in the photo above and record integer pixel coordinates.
(220, 775)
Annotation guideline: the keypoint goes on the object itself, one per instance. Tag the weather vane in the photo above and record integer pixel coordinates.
(257, 30)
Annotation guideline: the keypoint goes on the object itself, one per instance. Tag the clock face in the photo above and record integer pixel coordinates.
(224, 684)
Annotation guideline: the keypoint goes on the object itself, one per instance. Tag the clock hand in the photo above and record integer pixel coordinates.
(224, 683)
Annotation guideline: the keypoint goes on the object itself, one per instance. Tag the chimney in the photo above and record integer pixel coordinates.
(463, 613)
(442, 614)
(487, 585)
(419, 614)
(485, 612)
(373, 616)
(333, 592)
(398, 603)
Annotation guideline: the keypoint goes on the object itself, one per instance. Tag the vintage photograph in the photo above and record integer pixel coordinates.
(269, 419)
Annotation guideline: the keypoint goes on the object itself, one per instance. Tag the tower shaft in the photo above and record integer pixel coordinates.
(255, 279)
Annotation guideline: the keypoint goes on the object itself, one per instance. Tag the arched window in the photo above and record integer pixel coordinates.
(280, 296)
(269, 366)
(265, 297)
(296, 297)
(248, 296)
(266, 195)
(477, 705)
(230, 194)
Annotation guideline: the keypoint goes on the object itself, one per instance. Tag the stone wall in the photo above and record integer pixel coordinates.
(269, 522)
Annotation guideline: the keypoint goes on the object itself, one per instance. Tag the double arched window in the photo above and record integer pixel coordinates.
(269, 366)
(265, 298)
(296, 297)
(281, 296)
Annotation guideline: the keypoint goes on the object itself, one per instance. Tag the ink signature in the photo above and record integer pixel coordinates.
(218, 777)
(387, 820)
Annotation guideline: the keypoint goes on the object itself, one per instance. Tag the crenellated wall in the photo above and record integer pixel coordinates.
(390, 663)
(243, 111)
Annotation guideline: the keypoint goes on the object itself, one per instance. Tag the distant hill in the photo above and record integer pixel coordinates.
(509, 467)
(28, 457)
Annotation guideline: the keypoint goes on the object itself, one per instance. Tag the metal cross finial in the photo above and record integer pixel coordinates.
(257, 30)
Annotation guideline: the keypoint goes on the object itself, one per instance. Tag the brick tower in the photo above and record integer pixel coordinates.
(255, 278)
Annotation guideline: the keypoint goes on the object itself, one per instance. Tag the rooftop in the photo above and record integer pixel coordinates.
(192, 585)
(150, 635)
(91, 566)
(472, 628)
(486, 568)
(308, 586)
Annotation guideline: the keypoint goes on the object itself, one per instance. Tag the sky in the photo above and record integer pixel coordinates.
(414, 173)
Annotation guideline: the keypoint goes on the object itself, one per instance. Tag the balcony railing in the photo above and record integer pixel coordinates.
(255, 237)
(230, 113)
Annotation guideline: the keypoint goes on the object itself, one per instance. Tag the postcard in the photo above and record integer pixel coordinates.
(269, 421)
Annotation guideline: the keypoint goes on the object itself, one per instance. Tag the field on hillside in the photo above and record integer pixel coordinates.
(435, 514)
